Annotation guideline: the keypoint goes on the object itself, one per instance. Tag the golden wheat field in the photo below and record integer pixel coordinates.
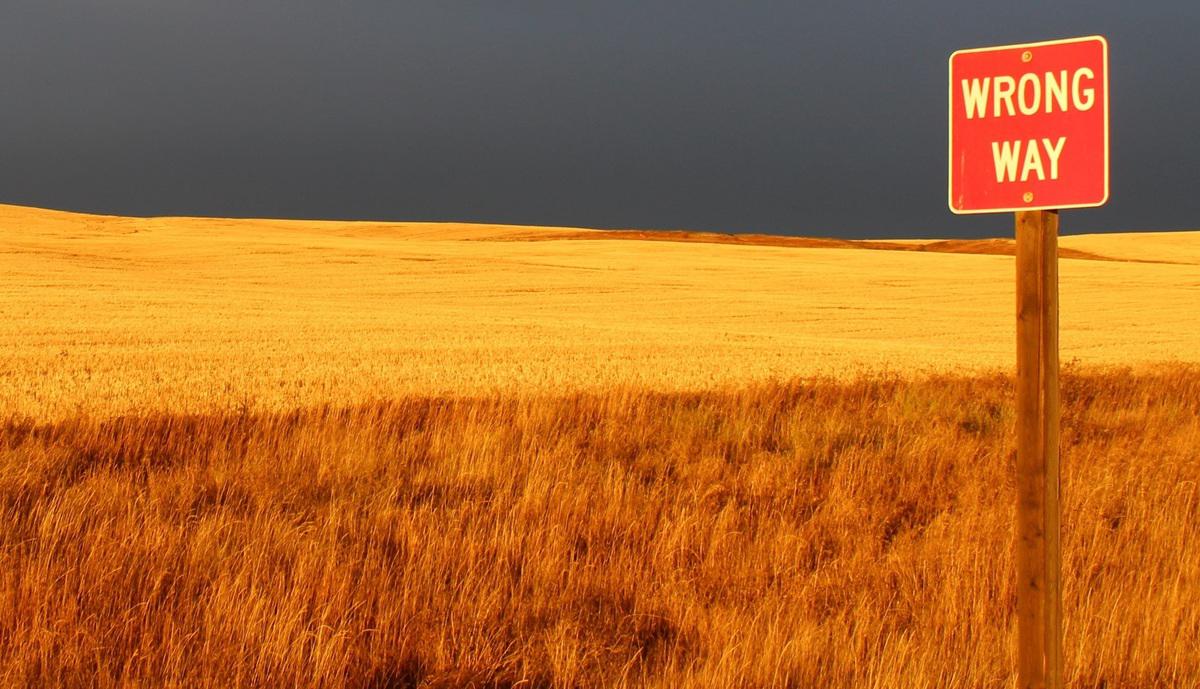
(108, 315)
(244, 453)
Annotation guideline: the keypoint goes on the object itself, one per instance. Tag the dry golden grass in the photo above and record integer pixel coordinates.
(841, 534)
(265, 453)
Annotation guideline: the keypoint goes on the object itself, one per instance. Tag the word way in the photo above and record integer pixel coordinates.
(1006, 154)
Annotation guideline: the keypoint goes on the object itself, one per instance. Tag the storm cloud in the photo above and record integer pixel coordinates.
(800, 118)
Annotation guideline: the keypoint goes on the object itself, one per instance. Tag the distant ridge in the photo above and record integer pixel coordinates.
(1099, 246)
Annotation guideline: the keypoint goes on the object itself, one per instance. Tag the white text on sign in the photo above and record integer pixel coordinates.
(1028, 94)
(1005, 155)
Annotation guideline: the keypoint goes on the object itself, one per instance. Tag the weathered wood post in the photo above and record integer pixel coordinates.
(1036, 547)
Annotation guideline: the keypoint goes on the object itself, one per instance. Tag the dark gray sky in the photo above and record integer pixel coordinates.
(815, 118)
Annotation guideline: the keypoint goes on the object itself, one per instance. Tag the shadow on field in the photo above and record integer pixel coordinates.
(811, 533)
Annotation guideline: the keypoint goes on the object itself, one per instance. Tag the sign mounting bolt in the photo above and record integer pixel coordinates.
(1028, 197)
(1027, 56)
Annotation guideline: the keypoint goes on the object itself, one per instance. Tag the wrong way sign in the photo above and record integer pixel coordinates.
(1029, 126)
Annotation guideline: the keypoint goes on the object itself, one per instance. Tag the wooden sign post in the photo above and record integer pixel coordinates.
(1029, 134)
(1036, 547)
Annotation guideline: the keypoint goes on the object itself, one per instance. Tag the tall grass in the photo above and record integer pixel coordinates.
(796, 535)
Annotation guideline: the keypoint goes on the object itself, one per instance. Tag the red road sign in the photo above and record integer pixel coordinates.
(1029, 126)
